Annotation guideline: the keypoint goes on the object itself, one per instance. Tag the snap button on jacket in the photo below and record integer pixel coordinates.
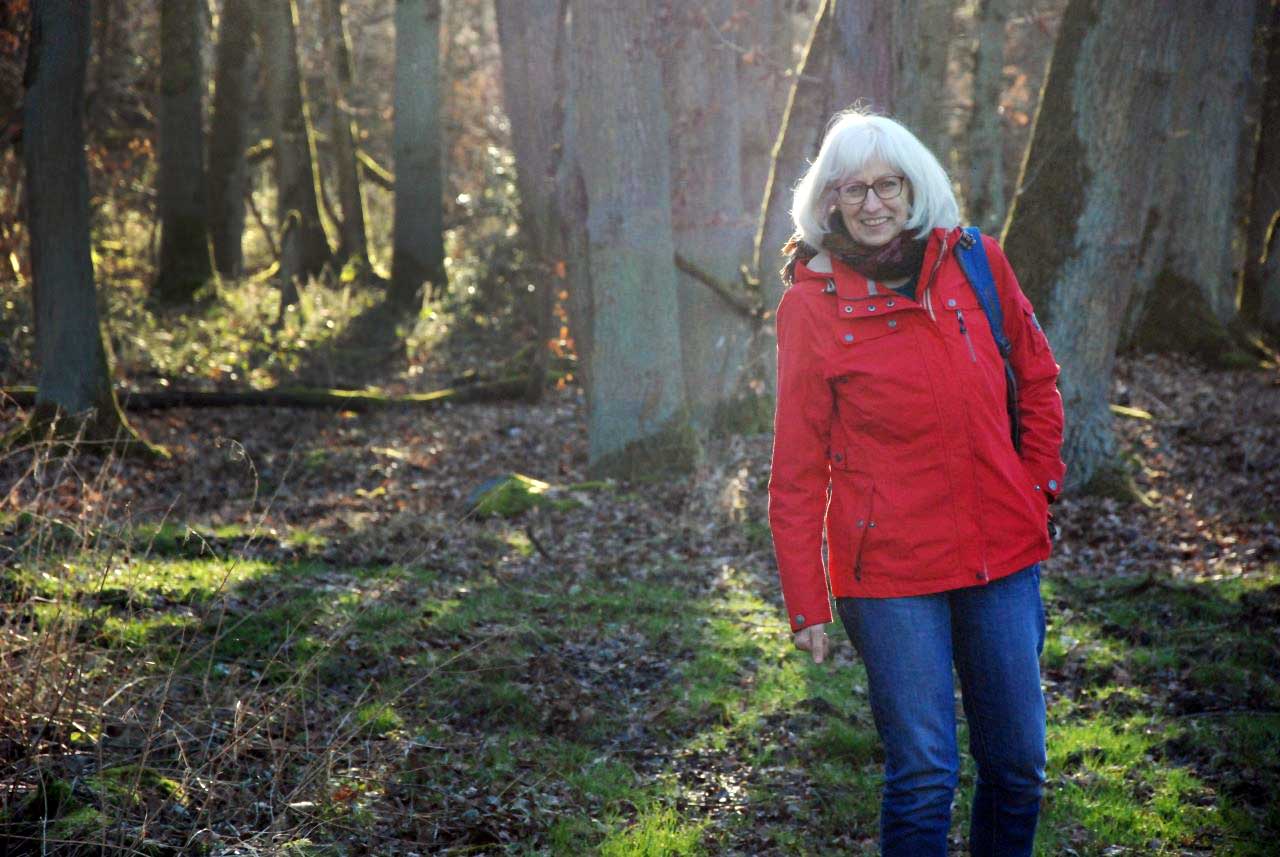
(891, 431)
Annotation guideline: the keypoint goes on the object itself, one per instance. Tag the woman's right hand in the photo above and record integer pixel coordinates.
(814, 640)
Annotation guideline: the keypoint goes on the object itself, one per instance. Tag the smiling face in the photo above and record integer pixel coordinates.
(875, 221)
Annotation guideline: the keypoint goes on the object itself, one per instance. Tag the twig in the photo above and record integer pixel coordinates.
(739, 302)
(528, 531)
(1230, 712)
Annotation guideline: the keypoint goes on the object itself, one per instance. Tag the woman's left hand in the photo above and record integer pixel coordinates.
(814, 640)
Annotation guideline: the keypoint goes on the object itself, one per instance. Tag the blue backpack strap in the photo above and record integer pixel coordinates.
(977, 270)
(973, 260)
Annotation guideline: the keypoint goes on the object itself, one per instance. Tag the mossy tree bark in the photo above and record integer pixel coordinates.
(185, 266)
(353, 243)
(1186, 295)
(1085, 195)
(1260, 301)
(532, 35)
(229, 135)
(73, 381)
(637, 417)
(710, 229)
(417, 263)
(294, 144)
(985, 144)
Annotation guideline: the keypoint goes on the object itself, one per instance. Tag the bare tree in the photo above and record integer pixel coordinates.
(712, 235)
(73, 380)
(183, 207)
(1186, 292)
(353, 244)
(985, 144)
(418, 231)
(229, 136)
(1084, 199)
(294, 144)
(532, 35)
(637, 414)
(1261, 287)
(919, 42)
(762, 32)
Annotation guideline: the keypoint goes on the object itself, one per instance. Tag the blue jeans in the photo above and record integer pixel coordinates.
(994, 634)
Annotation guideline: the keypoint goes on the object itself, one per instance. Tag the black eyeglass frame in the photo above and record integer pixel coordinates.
(870, 188)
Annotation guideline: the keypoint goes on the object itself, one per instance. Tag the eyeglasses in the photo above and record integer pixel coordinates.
(886, 187)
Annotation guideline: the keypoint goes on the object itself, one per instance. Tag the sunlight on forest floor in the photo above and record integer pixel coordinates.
(299, 638)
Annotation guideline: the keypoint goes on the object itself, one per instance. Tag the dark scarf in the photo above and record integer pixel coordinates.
(901, 257)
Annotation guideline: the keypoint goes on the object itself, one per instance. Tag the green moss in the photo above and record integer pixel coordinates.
(1039, 239)
(81, 823)
(508, 496)
(748, 413)
(378, 718)
(1178, 318)
(1114, 480)
(130, 782)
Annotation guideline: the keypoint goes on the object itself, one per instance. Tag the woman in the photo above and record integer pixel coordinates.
(892, 429)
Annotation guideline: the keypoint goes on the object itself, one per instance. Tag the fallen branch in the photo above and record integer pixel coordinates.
(739, 302)
(300, 397)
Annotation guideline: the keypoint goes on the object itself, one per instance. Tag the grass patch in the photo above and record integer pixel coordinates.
(657, 832)
(644, 716)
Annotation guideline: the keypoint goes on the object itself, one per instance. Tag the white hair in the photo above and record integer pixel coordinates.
(854, 138)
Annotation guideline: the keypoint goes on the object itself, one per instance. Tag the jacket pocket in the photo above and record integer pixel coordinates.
(1034, 490)
(862, 524)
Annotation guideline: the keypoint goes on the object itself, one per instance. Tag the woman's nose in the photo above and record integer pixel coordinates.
(872, 202)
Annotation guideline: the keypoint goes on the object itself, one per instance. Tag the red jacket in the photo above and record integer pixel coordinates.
(898, 408)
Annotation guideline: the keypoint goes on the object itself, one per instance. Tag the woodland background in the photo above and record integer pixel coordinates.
(386, 397)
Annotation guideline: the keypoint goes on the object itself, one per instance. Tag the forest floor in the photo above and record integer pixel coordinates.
(294, 638)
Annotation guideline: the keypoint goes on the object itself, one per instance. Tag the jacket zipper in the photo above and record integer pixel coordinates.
(862, 540)
(857, 563)
(964, 331)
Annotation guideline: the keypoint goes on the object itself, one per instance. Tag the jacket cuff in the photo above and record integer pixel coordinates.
(1047, 479)
(810, 614)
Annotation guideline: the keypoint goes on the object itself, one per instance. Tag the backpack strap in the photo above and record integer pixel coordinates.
(977, 270)
(972, 257)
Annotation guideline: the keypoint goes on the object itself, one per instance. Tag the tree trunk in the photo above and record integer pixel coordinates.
(353, 244)
(637, 416)
(1186, 292)
(700, 77)
(110, 72)
(183, 208)
(986, 197)
(73, 378)
(532, 35)
(1261, 298)
(921, 37)
(418, 230)
(294, 146)
(1083, 206)
(229, 136)
(764, 32)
